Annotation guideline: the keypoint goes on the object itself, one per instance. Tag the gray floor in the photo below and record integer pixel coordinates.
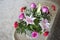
(9, 11)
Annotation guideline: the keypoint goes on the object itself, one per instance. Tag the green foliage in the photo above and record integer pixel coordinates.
(22, 27)
(28, 12)
(36, 21)
(32, 27)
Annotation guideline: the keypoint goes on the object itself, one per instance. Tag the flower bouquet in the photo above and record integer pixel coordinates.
(35, 19)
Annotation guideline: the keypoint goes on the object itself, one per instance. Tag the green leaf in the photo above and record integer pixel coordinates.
(22, 30)
(39, 29)
(28, 12)
(22, 27)
(40, 32)
(36, 21)
(29, 27)
(34, 27)
(34, 10)
(18, 30)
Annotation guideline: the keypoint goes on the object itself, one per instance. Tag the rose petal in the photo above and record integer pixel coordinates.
(46, 33)
(53, 7)
(16, 24)
(22, 9)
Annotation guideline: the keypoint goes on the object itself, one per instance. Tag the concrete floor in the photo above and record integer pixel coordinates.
(9, 11)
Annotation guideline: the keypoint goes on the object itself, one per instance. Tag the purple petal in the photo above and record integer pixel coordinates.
(33, 5)
(45, 9)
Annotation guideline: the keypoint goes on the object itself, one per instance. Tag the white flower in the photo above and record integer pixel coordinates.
(29, 19)
(44, 24)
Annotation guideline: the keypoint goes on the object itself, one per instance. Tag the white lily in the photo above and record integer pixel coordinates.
(44, 24)
(29, 19)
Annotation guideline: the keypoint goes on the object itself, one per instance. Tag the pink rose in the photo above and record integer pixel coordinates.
(34, 34)
(45, 9)
(33, 5)
(21, 16)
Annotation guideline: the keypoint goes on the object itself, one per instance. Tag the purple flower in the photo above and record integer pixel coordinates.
(34, 34)
(21, 16)
(33, 5)
(45, 9)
